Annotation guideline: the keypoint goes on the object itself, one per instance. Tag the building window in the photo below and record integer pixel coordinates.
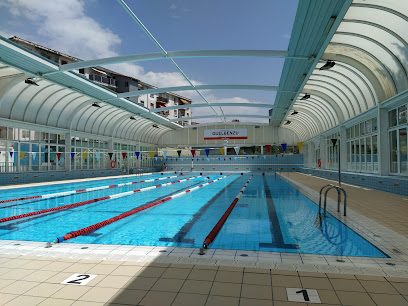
(398, 140)
(126, 84)
(82, 71)
(63, 62)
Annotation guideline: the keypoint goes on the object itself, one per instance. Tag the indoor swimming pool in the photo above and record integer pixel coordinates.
(269, 216)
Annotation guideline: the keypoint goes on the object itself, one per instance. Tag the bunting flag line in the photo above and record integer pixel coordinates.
(268, 148)
(192, 152)
(137, 155)
(284, 146)
(72, 155)
(236, 150)
(179, 153)
(58, 155)
(207, 151)
(300, 145)
(222, 151)
(151, 153)
(165, 154)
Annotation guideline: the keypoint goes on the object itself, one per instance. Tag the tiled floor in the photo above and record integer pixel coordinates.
(26, 280)
(31, 274)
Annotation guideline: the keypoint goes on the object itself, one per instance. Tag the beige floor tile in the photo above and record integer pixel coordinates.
(23, 300)
(100, 295)
(312, 274)
(228, 276)
(188, 299)
(102, 269)
(207, 275)
(286, 281)
(114, 281)
(231, 269)
(57, 266)
(128, 297)
(151, 272)
(388, 299)
(226, 289)
(205, 267)
(378, 287)
(19, 287)
(17, 263)
(71, 292)
(168, 284)
(44, 290)
(79, 268)
(371, 278)
(401, 287)
(17, 274)
(176, 273)
(199, 287)
(284, 272)
(157, 298)
(256, 292)
(6, 297)
(279, 294)
(253, 302)
(158, 264)
(181, 266)
(316, 283)
(355, 298)
(6, 282)
(341, 276)
(56, 302)
(127, 270)
(4, 271)
(257, 279)
(397, 279)
(86, 303)
(257, 270)
(347, 285)
(282, 303)
(39, 276)
(57, 278)
(214, 300)
(141, 283)
(36, 264)
(328, 296)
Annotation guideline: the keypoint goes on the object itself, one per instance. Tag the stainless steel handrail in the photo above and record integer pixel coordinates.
(338, 189)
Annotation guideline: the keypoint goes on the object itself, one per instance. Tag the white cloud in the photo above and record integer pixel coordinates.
(64, 26)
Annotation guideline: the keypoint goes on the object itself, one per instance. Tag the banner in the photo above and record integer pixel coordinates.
(164, 154)
(300, 145)
(179, 153)
(72, 155)
(22, 154)
(284, 146)
(268, 148)
(207, 151)
(58, 156)
(192, 152)
(124, 155)
(236, 150)
(225, 134)
(137, 155)
(222, 151)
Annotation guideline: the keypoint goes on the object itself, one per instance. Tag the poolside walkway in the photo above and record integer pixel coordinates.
(388, 209)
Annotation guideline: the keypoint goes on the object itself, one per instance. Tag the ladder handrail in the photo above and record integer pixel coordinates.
(320, 196)
(338, 189)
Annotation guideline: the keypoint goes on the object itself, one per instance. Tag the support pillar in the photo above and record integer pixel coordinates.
(383, 150)
(67, 154)
(343, 148)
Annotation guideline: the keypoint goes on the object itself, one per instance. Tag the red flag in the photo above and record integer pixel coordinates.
(59, 156)
(124, 155)
(268, 148)
(193, 152)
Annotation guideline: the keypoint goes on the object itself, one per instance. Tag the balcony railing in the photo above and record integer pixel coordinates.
(101, 79)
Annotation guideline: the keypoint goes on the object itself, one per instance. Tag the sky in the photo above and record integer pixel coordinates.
(90, 29)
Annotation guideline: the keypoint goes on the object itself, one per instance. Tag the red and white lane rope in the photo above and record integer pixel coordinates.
(69, 206)
(70, 192)
(96, 226)
(211, 236)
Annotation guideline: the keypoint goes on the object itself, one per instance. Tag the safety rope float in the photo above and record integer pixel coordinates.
(69, 206)
(96, 226)
(214, 232)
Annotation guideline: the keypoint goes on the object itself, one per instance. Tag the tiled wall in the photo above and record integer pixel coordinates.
(392, 184)
(36, 177)
(254, 163)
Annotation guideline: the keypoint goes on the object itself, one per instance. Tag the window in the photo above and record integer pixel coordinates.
(126, 84)
(82, 71)
(65, 62)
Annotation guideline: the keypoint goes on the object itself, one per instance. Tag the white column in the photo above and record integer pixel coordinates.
(343, 149)
(323, 156)
(382, 142)
(310, 155)
(67, 154)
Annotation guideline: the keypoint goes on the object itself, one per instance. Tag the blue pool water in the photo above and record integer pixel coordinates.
(270, 216)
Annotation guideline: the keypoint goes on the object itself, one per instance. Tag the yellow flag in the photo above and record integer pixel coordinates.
(300, 145)
(161, 158)
(270, 156)
(187, 159)
(222, 151)
(151, 154)
(84, 154)
(213, 158)
(241, 158)
(22, 154)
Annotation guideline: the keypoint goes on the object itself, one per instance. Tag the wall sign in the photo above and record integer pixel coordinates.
(225, 134)
(79, 279)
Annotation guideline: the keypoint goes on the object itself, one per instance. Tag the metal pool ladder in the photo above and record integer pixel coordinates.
(339, 189)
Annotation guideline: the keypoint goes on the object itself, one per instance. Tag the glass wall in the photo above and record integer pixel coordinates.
(398, 140)
(332, 152)
(89, 154)
(362, 151)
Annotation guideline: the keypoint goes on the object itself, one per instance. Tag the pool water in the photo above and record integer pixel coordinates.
(270, 216)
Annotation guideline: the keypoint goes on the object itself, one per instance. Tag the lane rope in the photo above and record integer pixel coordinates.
(96, 226)
(70, 192)
(114, 196)
(214, 232)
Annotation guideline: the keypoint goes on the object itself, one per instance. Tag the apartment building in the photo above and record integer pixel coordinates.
(119, 83)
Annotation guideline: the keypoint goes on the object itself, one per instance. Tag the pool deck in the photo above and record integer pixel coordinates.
(30, 273)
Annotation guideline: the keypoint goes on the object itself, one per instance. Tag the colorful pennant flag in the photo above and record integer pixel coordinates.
(22, 154)
(137, 155)
(34, 155)
(222, 151)
(300, 145)
(151, 153)
(193, 152)
(11, 154)
(110, 155)
(97, 155)
(85, 154)
(268, 148)
(58, 155)
(179, 153)
(284, 146)
(72, 155)
(236, 150)
(124, 155)
(164, 154)
(207, 151)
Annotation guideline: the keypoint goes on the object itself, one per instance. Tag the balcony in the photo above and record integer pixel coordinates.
(103, 80)
(161, 99)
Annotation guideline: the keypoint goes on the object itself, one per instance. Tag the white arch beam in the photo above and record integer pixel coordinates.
(258, 105)
(213, 116)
